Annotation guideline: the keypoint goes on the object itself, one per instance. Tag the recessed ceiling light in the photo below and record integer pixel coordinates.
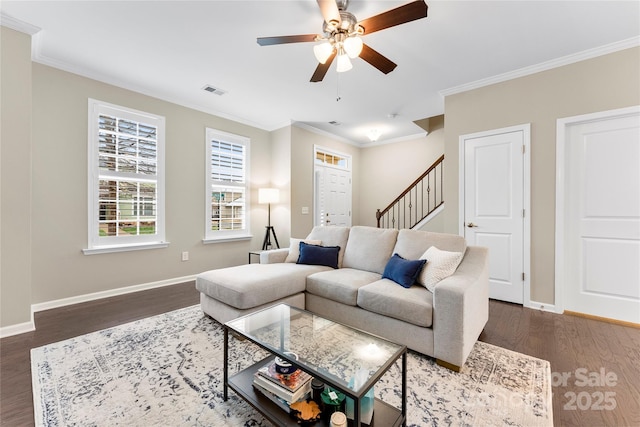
(373, 134)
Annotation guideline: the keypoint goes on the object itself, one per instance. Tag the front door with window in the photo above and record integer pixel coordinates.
(332, 197)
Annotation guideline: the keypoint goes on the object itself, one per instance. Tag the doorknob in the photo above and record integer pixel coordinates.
(471, 225)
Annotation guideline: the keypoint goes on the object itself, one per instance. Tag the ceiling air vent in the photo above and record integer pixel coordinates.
(217, 91)
(333, 122)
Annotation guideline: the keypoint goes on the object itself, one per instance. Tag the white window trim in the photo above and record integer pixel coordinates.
(158, 240)
(226, 235)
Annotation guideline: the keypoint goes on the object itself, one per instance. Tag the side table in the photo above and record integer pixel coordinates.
(257, 253)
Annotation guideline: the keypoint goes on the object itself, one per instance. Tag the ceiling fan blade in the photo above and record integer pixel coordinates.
(267, 41)
(330, 12)
(378, 60)
(321, 69)
(400, 15)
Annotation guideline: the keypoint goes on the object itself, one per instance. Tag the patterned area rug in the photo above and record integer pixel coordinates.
(167, 371)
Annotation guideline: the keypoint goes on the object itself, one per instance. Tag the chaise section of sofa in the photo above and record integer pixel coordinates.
(228, 293)
(443, 324)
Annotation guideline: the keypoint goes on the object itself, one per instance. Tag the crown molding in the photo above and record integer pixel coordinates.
(18, 25)
(322, 132)
(38, 57)
(544, 66)
(419, 135)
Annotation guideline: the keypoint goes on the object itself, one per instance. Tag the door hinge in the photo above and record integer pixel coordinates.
(523, 277)
(523, 213)
(523, 149)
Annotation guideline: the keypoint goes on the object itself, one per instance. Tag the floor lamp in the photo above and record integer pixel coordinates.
(268, 196)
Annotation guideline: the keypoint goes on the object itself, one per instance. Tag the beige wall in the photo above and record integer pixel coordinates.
(281, 178)
(59, 214)
(599, 84)
(15, 178)
(386, 170)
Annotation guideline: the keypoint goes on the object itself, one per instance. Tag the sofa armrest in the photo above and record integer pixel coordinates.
(273, 256)
(461, 307)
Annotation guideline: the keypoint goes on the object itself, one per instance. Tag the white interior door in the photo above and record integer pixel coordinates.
(333, 196)
(600, 252)
(494, 205)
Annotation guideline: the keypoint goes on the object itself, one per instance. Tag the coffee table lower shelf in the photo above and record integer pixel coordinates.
(384, 415)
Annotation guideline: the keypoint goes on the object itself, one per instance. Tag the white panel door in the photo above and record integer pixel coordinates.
(493, 207)
(333, 196)
(603, 218)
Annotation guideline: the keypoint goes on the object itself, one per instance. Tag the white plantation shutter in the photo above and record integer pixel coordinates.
(227, 186)
(126, 174)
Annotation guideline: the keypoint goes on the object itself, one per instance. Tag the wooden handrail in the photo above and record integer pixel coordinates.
(413, 187)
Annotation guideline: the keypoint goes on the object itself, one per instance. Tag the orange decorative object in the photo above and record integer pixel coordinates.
(306, 411)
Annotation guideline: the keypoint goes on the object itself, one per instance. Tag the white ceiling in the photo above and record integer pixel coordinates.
(172, 49)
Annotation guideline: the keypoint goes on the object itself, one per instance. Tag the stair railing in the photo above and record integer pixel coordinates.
(415, 203)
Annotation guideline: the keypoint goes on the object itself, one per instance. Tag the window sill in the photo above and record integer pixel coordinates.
(124, 248)
(223, 239)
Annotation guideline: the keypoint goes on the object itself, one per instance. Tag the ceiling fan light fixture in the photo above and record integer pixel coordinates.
(323, 51)
(353, 46)
(344, 63)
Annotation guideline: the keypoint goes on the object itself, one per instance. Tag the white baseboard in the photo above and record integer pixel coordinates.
(542, 306)
(19, 328)
(106, 294)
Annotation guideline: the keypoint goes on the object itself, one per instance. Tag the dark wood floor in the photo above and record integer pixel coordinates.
(595, 365)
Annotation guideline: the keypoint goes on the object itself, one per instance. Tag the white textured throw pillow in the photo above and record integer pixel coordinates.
(294, 248)
(440, 265)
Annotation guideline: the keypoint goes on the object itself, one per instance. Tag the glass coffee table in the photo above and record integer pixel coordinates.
(329, 351)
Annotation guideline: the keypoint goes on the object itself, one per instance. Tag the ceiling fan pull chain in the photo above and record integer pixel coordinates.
(338, 97)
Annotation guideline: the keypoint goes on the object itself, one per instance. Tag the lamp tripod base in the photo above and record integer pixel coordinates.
(266, 243)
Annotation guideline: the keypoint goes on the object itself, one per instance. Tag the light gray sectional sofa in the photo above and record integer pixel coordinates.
(443, 324)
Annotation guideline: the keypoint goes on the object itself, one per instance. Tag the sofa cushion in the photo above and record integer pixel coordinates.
(331, 236)
(413, 305)
(369, 248)
(403, 271)
(440, 265)
(411, 244)
(340, 285)
(250, 285)
(318, 255)
(294, 248)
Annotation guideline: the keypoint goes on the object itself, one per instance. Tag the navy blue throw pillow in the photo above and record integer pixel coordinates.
(402, 271)
(318, 255)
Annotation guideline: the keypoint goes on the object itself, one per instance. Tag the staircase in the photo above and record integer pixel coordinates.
(415, 203)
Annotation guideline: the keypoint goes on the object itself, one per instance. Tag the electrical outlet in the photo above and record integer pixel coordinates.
(185, 256)
(305, 210)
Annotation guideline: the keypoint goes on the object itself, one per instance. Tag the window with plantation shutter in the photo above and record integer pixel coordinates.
(126, 179)
(227, 186)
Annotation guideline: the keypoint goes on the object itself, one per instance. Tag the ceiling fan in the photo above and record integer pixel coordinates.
(342, 32)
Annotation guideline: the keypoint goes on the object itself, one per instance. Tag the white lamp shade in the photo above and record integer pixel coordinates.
(268, 195)
(353, 46)
(322, 51)
(344, 63)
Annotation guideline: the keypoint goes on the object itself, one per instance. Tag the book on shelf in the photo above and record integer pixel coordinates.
(283, 404)
(280, 391)
(291, 382)
(290, 387)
